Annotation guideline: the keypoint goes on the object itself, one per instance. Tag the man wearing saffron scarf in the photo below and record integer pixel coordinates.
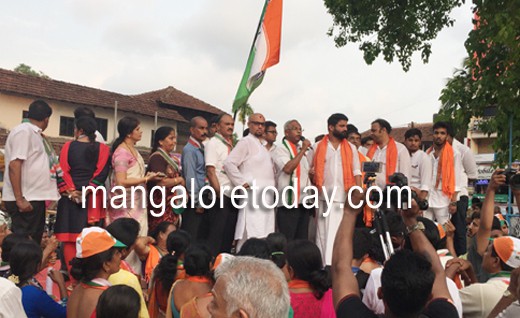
(444, 187)
(336, 169)
(292, 168)
(220, 222)
(392, 155)
(249, 165)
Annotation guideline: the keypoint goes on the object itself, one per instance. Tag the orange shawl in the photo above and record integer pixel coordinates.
(153, 259)
(391, 157)
(346, 163)
(445, 170)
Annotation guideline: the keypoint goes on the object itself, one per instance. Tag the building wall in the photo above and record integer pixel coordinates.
(12, 107)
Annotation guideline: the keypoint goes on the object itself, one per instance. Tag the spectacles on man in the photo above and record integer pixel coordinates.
(296, 129)
(274, 132)
(258, 123)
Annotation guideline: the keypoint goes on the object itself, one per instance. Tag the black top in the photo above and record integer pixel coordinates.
(351, 306)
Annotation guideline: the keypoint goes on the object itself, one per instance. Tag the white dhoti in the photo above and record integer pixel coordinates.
(327, 227)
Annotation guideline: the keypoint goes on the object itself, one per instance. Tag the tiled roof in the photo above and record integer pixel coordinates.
(398, 132)
(145, 104)
(174, 97)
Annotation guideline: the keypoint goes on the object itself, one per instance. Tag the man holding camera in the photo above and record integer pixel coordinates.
(392, 155)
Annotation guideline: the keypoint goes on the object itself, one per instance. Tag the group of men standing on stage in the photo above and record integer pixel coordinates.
(333, 164)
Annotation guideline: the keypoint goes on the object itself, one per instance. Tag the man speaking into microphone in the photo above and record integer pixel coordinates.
(292, 169)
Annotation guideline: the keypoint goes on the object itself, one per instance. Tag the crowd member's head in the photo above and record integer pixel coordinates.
(305, 263)
(337, 126)
(199, 128)
(225, 125)
(97, 255)
(362, 243)
(213, 125)
(396, 228)
(245, 132)
(270, 132)
(476, 204)
(129, 130)
(255, 247)
(118, 301)
(502, 255)
(497, 210)
(161, 232)
(380, 131)
(198, 261)
(293, 131)
(319, 138)
(433, 232)
(126, 231)
(4, 229)
(474, 224)
(496, 228)
(412, 139)
(84, 112)
(9, 243)
(177, 243)
(256, 125)
(164, 138)
(278, 247)
(87, 126)
(441, 131)
(406, 284)
(25, 260)
(354, 137)
(249, 287)
(367, 142)
(40, 113)
(503, 223)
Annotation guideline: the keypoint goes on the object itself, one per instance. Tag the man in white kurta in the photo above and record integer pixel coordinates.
(380, 132)
(329, 216)
(421, 165)
(249, 165)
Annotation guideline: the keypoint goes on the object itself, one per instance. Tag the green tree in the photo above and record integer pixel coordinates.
(396, 28)
(243, 113)
(27, 70)
(490, 76)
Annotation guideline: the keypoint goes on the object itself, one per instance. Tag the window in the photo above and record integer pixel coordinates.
(66, 126)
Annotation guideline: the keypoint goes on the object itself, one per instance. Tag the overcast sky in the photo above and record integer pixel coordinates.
(201, 47)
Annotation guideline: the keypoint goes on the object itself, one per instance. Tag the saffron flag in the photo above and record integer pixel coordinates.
(264, 53)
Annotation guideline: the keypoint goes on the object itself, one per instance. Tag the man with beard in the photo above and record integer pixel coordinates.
(421, 165)
(445, 182)
(220, 222)
(249, 165)
(336, 169)
(292, 169)
(194, 172)
(392, 155)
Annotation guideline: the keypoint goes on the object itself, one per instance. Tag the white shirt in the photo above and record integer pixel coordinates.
(333, 174)
(437, 198)
(99, 138)
(363, 150)
(468, 166)
(403, 163)
(372, 301)
(280, 157)
(215, 153)
(10, 300)
(478, 300)
(25, 143)
(421, 170)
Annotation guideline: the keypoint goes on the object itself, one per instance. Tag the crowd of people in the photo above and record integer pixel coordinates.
(129, 256)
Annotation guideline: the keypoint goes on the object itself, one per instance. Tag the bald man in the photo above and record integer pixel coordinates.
(249, 165)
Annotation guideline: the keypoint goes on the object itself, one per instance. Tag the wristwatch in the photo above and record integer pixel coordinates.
(508, 294)
(415, 227)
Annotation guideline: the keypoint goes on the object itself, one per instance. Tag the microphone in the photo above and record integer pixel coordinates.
(303, 139)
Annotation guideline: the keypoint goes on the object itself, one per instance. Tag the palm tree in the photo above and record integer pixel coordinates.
(243, 113)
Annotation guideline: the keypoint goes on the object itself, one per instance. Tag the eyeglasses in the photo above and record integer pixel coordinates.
(296, 129)
(258, 123)
(274, 132)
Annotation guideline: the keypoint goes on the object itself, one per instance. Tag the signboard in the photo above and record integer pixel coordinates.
(499, 198)
(485, 171)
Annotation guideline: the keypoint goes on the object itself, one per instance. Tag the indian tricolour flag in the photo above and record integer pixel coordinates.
(265, 51)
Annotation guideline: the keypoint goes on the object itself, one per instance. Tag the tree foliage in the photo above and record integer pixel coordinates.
(394, 28)
(490, 76)
(27, 70)
(244, 112)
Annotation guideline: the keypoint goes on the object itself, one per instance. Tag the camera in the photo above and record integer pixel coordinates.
(371, 167)
(512, 178)
(398, 180)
